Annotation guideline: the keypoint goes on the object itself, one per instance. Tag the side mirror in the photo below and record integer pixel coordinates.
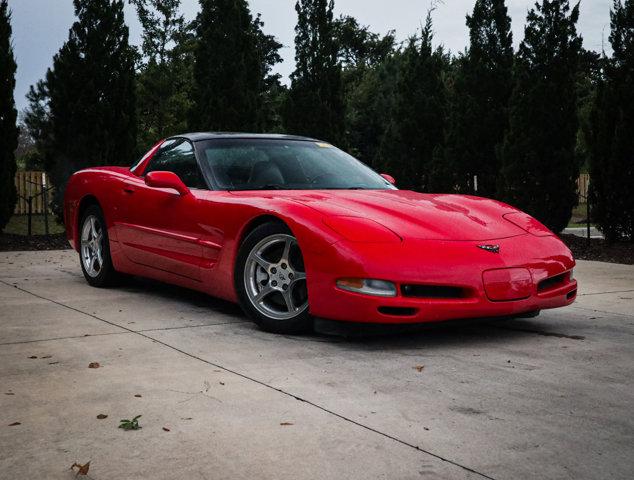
(166, 180)
(389, 178)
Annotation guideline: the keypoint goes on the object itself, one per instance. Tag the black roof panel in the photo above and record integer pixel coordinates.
(199, 136)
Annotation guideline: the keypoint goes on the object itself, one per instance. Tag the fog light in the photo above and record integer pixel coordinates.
(379, 288)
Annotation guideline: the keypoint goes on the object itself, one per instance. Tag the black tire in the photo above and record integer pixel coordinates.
(300, 323)
(106, 276)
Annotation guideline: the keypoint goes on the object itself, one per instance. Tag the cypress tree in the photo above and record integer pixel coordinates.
(369, 103)
(87, 102)
(233, 61)
(314, 105)
(8, 116)
(612, 127)
(165, 75)
(540, 168)
(417, 120)
(359, 48)
(481, 89)
(365, 58)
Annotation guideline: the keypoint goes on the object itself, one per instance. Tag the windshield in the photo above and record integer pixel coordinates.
(270, 164)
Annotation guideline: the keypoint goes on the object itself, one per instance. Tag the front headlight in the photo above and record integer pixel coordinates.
(368, 286)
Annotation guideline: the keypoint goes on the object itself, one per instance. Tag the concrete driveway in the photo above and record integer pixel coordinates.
(550, 397)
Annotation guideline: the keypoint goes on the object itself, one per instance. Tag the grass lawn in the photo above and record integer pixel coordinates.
(579, 215)
(18, 225)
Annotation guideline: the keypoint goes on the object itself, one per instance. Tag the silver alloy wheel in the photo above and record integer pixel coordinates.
(274, 278)
(92, 245)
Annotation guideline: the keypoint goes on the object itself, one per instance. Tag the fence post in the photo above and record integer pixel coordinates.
(30, 203)
(45, 202)
(588, 216)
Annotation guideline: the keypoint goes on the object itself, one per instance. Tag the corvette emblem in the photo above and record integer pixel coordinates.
(490, 248)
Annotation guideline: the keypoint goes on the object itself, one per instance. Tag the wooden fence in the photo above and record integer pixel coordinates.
(31, 184)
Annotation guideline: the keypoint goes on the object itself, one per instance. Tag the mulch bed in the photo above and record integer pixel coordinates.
(10, 242)
(597, 249)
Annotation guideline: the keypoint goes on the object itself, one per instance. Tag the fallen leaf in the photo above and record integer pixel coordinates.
(165, 429)
(33, 356)
(9, 393)
(94, 365)
(101, 416)
(186, 418)
(81, 469)
(419, 367)
(221, 383)
(285, 424)
(53, 363)
(14, 424)
(138, 395)
(47, 356)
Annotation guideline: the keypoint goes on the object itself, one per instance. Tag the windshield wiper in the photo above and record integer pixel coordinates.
(270, 186)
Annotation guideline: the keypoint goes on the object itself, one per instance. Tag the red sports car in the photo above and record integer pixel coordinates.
(292, 228)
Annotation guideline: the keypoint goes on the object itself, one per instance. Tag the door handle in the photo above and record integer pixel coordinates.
(128, 189)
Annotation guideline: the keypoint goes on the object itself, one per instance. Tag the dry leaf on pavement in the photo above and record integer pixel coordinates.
(81, 469)
(94, 365)
(419, 367)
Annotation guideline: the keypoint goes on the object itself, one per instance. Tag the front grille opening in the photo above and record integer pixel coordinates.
(552, 282)
(398, 311)
(433, 291)
(571, 294)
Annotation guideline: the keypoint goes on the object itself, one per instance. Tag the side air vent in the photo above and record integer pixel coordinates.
(552, 282)
(398, 311)
(433, 291)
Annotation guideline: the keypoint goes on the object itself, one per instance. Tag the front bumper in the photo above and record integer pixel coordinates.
(459, 266)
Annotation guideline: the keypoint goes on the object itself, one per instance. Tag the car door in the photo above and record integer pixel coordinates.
(160, 229)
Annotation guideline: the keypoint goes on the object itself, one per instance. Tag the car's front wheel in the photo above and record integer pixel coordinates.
(270, 280)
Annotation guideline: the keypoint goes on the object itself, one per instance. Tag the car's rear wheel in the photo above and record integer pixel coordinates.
(94, 249)
(270, 280)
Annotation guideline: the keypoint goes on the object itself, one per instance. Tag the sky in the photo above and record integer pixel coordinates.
(40, 27)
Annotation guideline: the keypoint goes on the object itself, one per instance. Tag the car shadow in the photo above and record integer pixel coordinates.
(364, 336)
(149, 287)
(461, 332)
(472, 332)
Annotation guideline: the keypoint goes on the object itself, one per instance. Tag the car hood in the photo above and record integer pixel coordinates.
(415, 215)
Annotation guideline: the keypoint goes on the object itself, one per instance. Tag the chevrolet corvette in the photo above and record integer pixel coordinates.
(293, 228)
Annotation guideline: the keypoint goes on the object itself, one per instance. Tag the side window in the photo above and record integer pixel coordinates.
(178, 156)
